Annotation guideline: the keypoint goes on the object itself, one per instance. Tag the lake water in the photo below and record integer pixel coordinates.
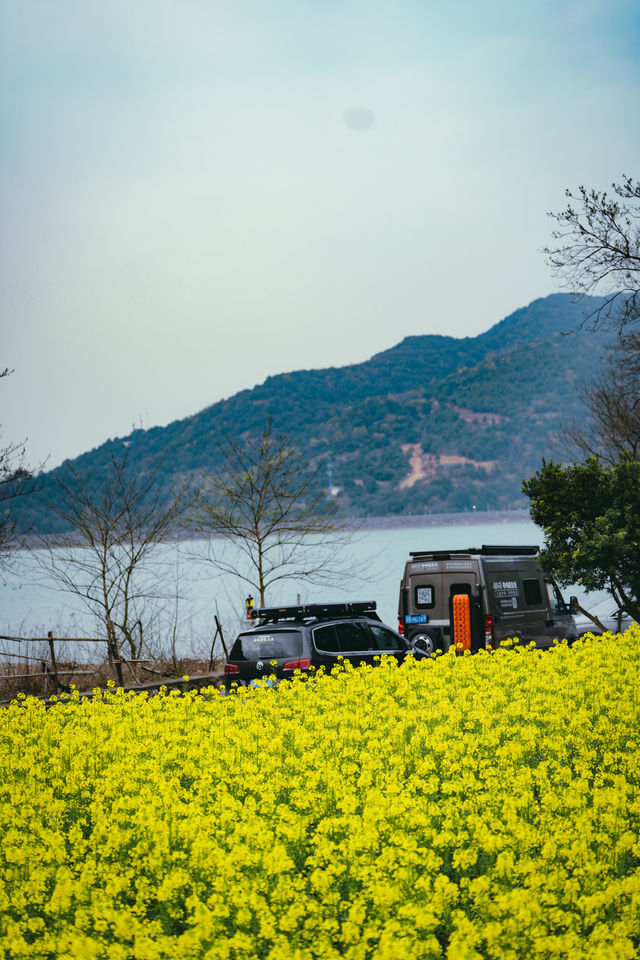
(193, 591)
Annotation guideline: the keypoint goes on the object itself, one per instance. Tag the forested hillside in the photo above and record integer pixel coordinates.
(433, 424)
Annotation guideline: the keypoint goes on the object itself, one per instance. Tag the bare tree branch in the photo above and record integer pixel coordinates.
(115, 523)
(266, 500)
(16, 480)
(612, 401)
(598, 250)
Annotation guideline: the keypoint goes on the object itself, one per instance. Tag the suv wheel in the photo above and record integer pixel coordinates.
(425, 641)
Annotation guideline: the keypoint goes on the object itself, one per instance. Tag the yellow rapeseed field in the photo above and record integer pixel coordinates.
(463, 807)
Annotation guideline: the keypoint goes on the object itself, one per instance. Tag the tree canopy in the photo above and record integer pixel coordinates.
(590, 514)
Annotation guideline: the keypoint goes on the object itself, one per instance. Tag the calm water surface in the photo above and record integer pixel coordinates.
(191, 592)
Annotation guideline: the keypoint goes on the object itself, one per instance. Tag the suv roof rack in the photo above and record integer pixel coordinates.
(487, 550)
(319, 611)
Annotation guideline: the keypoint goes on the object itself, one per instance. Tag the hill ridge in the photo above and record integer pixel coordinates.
(439, 393)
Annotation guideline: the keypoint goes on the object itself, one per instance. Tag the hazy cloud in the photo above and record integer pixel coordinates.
(186, 208)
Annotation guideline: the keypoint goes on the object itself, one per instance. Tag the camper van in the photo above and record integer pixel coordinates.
(508, 597)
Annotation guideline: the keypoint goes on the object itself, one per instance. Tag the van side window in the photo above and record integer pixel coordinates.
(555, 598)
(532, 593)
(424, 596)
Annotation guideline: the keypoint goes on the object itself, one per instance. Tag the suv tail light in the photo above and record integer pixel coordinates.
(401, 627)
(230, 668)
(488, 631)
(297, 665)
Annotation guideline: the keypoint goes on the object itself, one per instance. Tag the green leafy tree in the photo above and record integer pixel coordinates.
(590, 514)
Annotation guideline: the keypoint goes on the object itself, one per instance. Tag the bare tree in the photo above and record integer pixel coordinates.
(599, 250)
(267, 500)
(16, 480)
(612, 402)
(115, 524)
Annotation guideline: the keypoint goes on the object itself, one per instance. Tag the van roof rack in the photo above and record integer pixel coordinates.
(318, 611)
(487, 550)
(528, 551)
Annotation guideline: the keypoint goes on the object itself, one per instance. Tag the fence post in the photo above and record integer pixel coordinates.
(224, 646)
(53, 658)
(113, 645)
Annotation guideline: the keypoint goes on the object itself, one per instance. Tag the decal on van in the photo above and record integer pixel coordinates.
(508, 603)
(506, 593)
(505, 588)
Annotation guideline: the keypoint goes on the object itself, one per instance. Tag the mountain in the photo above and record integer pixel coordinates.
(433, 424)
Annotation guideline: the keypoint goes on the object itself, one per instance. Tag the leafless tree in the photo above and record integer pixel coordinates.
(612, 402)
(16, 480)
(267, 500)
(598, 250)
(115, 525)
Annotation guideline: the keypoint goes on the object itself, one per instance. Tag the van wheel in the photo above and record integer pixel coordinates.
(424, 641)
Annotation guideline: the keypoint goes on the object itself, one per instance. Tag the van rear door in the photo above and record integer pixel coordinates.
(505, 600)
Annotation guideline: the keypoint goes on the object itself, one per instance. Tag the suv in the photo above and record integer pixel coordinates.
(615, 621)
(508, 596)
(315, 635)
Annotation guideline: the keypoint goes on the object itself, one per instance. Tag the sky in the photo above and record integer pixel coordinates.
(198, 194)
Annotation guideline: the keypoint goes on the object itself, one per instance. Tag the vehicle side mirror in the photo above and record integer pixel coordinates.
(573, 606)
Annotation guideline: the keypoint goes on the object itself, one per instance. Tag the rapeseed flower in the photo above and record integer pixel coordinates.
(462, 807)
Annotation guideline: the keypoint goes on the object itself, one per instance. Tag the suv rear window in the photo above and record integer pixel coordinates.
(346, 637)
(353, 636)
(267, 646)
(326, 639)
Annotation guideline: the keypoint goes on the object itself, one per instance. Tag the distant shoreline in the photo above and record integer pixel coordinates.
(468, 518)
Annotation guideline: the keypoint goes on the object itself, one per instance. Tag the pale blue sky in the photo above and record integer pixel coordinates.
(185, 209)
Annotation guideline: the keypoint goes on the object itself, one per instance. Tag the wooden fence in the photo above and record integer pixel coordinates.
(51, 672)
